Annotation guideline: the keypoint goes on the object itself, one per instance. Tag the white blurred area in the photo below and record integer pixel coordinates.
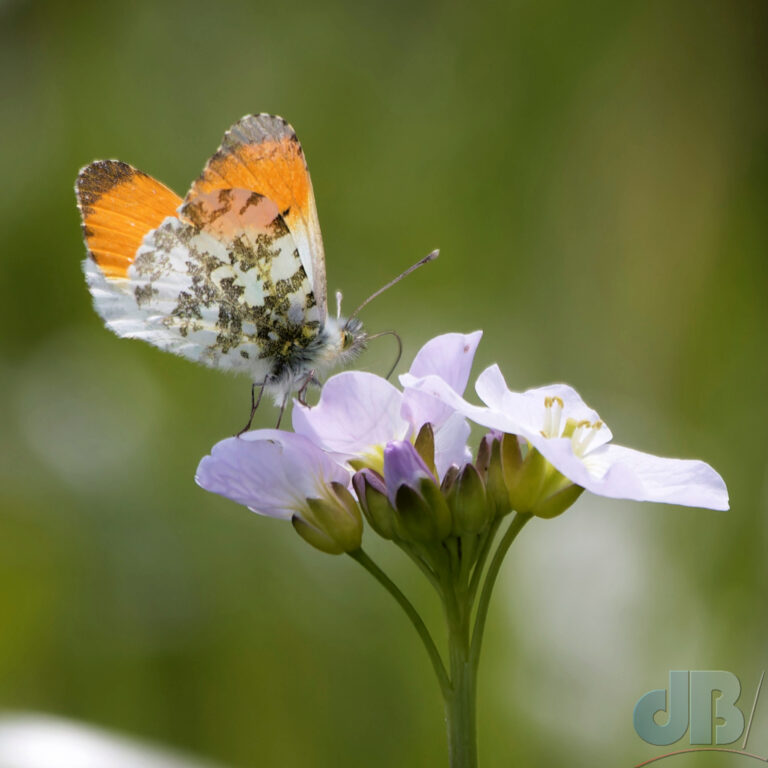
(72, 410)
(29, 740)
(585, 599)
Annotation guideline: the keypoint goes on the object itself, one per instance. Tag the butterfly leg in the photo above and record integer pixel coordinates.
(302, 393)
(282, 411)
(254, 405)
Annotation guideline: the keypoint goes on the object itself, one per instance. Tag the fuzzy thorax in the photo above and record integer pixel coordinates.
(339, 342)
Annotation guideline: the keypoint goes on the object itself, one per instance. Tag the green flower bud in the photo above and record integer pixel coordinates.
(376, 507)
(332, 524)
(449, 479)
(468, 503)
(441, 514)
(422, 515)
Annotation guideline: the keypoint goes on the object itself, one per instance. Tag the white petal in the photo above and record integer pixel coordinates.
(270, 471)
(451, 444)
(527, 410)
(491, 387)
(357, 410)
(686, 482)
(433, 387)
(623, 473)
(448, 356)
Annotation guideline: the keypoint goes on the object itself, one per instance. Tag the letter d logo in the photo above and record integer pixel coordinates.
(677, 712)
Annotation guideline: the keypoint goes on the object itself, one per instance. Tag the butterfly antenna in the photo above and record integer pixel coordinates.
(429, 257)
(399, 347)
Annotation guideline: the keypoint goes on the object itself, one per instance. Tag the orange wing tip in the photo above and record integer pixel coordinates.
(261, 153)
(119, 206)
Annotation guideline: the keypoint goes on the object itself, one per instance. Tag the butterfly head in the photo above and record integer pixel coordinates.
(353, 337)
(346, 339)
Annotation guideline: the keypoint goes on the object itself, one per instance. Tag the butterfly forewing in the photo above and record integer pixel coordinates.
(119, 205)
(261, 153)
(222, 284)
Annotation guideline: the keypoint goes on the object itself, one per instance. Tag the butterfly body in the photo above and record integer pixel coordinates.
(233, 276)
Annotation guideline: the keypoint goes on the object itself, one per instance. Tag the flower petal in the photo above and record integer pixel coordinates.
(527, 411)
(356, 410)
(270, 471)
(402, 466)
(422, 394)
(647, 477)
(448, 356)
(623, 473)
(451, 447)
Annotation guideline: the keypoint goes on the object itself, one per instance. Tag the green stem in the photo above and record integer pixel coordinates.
(460, 714)
(429, 644)
(485, 548)
(518, 521)
(423, 566)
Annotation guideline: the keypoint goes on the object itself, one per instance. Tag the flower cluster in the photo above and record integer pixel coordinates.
(401, 457)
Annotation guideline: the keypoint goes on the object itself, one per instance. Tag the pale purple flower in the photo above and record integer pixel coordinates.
(573, 439)
(270, 471)
(359, 413)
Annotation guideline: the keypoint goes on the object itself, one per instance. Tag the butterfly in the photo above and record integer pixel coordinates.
(233, 275)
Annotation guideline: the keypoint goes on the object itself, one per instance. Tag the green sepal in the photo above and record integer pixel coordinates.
(511, 454)
(525, 481)
(314, 536)
(558, 502)
(425, 446)
(495, 485)
(338, 518)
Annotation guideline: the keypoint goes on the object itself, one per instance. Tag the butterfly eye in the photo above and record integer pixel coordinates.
(346, 339)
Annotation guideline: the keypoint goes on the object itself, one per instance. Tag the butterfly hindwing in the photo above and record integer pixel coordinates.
(222, 284)
(261, 153)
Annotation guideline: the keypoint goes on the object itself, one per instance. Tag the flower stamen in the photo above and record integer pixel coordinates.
(583, 434)
(552, 416)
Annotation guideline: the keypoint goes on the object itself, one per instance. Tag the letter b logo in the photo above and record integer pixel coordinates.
(692, 700)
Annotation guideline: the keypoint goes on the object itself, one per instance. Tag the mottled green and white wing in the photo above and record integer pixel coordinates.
(222, 284)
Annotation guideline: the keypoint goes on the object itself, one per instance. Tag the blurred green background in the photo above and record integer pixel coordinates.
(596, 175)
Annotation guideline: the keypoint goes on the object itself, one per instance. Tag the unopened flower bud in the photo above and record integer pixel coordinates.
(484, 451)
(468, 503)
(332, 524)
(372, 494)
(449, 479)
